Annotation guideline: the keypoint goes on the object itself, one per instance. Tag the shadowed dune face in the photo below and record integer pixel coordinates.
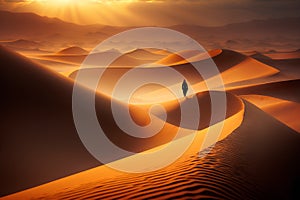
(38, 138)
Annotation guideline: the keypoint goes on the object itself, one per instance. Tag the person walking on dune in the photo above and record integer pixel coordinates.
(185, 87)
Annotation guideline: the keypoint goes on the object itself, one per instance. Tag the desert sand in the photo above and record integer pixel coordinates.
(54, 100)
(224, 173)
(256, 153)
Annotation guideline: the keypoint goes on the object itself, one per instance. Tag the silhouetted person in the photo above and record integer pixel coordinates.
(185, 87)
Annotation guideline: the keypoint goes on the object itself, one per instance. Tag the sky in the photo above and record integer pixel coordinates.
(156, 12)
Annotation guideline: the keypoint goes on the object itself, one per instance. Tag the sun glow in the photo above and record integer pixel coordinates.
(64, 1)
(59, 2)
(107, 12)
(71, 10)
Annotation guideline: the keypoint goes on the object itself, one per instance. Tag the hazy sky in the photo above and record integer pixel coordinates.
(156, 12)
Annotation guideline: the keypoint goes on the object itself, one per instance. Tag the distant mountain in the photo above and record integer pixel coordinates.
(286, 27)
(24, 24)
(21, 43)
(30, 25)
(267, 34)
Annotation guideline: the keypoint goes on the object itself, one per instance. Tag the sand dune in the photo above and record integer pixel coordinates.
(246, 70)
(38, 138)
(256, 156)
(240, 167)
(283, 55)
(287, 90)
(73, 56)
(126, 60)
(73, 50)
(48, 117)
(287, 67)
(234, 105)
(185, 57)
(178, 57)
(67, 58)
(164, 52)
(145, 54)
(234, 68)
(260, 56)
(58, 66)
(288, 112)
(280, 99)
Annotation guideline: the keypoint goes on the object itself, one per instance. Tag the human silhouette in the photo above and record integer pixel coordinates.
(185, 87)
